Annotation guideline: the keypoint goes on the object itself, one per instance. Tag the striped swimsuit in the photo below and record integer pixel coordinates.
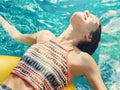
(44, 66)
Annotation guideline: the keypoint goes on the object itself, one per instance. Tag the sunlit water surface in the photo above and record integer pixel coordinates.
(30, 16)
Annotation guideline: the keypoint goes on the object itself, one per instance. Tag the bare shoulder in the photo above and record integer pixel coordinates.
(81, 57)
(45, 32)
(44, 35)
(86, 56)
(87, 62)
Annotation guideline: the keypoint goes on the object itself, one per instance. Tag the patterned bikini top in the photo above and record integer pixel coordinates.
(44, 66)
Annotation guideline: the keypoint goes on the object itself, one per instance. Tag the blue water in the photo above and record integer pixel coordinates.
(30, 16)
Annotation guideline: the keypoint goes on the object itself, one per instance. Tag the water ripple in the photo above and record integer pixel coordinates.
(30, 16)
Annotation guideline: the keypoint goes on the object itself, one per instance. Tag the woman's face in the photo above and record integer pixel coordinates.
(84, 21)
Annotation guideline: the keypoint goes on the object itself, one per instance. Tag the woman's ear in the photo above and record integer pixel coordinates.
(88, 38)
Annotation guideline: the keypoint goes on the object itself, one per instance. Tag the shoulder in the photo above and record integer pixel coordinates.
(85, 56)
(45, 32)
(80, 58)
(87, 62)
(44, 35)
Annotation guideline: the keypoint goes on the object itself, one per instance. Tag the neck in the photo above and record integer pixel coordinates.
(70, 37)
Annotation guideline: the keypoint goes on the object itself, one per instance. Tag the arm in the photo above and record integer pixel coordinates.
(15, 34)
(40, 36)
(92, 73)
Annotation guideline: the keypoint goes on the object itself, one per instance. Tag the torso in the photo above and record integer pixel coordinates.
(74, 59)
(46, 64)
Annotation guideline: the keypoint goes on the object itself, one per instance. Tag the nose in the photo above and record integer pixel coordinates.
(87, 13)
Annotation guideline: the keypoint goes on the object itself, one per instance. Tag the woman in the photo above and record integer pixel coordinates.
(52, 62)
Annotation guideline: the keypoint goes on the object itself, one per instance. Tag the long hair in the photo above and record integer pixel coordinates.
(90, 47)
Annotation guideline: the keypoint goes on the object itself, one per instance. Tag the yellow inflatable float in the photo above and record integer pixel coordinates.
(7, 63)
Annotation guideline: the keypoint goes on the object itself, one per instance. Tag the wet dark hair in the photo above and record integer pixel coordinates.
(90, 47)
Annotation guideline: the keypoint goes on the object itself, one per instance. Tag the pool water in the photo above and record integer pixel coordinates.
(30, 16)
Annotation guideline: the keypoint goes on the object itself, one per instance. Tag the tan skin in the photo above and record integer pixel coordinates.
(80, 63)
